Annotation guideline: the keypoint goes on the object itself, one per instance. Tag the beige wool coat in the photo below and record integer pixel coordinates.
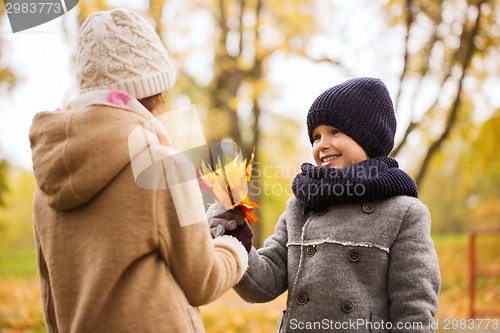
(112, 256)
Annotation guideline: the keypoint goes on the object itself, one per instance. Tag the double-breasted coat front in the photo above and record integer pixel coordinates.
(368, 267)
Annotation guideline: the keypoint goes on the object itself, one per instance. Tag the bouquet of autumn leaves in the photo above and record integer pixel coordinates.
(228, 184)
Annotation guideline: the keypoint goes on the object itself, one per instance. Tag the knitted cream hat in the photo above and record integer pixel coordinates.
(117, 49)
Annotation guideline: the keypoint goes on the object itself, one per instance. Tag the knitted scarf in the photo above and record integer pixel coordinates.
(373, 179)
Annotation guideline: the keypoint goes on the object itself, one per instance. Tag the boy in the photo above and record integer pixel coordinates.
(353, 247)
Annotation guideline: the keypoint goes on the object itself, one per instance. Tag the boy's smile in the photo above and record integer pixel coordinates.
(329, 159)
(335, 149)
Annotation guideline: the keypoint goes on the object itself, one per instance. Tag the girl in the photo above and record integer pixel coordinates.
(112, 256)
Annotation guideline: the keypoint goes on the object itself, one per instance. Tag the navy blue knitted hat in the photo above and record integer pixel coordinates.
(361, 108)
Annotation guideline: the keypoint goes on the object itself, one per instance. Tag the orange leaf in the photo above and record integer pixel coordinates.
(228, 184)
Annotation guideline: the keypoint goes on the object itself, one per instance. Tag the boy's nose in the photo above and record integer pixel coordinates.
(323, 144)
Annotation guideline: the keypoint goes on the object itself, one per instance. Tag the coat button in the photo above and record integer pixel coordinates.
(354, 255)
(368, 208)
(347, 306)
(321, 211)
(301, 299)
(310, 250)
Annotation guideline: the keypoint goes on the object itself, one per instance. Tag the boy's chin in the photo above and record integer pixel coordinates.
(329, 166)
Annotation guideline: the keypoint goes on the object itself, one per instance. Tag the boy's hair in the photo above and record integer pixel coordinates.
(362, 109)
(118, 49)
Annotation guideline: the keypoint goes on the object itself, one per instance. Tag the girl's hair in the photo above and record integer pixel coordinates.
(152, 102)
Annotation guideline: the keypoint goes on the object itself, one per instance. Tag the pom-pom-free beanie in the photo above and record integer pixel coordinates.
(118, 49)
(362, 109)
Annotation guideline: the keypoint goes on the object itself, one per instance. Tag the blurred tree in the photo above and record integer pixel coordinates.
(448, 53)
(487, 213)
(7, 83)
(155, 11)
(447, 57)
(463, 182)
(446, 43)
(246, 34)
(276, 170)
(87, 7)
(15, 215)
(3, 180)
(7, 77)
(482, 161)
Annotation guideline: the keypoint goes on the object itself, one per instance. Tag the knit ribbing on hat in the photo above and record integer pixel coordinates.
(118, 49)
(362, 109)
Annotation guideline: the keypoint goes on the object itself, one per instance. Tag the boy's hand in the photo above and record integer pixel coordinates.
(244, 234)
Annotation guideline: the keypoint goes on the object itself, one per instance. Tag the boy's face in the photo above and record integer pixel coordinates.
(335, 149)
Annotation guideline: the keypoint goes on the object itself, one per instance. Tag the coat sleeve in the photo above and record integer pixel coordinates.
(204, 268)
(266, 276)
(414, 277)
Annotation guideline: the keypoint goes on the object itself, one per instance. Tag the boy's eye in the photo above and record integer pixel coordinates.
(335, 131)
(317, 137)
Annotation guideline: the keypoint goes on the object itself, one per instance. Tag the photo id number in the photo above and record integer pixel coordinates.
(33, 8)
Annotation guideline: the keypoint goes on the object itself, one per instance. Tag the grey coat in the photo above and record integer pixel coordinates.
(352, 268)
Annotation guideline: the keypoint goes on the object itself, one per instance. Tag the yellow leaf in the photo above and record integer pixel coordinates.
(228, 183)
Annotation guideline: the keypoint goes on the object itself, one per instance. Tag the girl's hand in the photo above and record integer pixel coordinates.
(222, 220)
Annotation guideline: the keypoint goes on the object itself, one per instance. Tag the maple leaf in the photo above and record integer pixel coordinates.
(228, 184)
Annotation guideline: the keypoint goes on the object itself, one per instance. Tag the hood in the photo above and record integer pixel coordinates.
(77, 153)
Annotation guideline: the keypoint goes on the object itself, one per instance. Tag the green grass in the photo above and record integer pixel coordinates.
(18, 263)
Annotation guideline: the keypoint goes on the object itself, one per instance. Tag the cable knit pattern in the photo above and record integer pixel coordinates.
(119, 50)
(372, 179)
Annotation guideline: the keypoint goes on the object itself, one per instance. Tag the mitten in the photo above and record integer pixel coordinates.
(222, 220)
(244, 234)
